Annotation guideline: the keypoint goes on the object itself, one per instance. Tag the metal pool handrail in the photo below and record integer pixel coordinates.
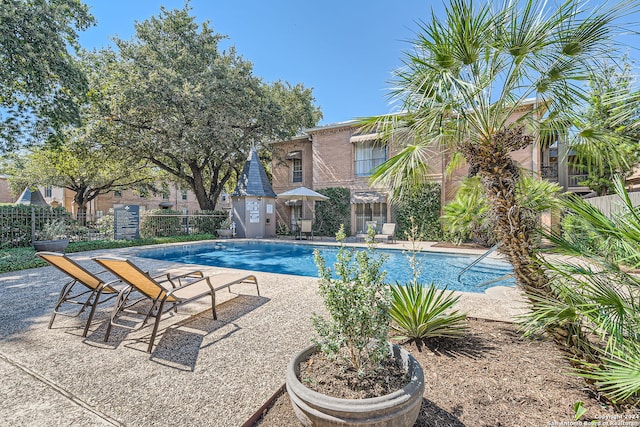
(480, 258)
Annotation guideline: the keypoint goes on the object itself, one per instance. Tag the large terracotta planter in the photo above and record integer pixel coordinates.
(400, 408)
(59, 245)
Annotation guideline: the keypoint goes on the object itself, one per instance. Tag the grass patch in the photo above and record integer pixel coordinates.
(15, 259)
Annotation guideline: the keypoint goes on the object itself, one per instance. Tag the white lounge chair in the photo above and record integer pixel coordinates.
(388, 232)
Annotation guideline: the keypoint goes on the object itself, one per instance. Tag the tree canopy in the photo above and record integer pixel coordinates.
(39, 78)
(193, 110)
(607, 146)
(81, 160)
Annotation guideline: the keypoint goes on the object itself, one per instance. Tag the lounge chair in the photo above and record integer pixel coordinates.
(306, 228)
(90, 295)
(362, 237)
(388, 232)
(159, 290)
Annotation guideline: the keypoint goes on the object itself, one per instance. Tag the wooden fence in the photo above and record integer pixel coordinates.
(612, 203)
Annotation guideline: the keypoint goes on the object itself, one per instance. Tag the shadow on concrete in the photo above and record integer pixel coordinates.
(178, 344)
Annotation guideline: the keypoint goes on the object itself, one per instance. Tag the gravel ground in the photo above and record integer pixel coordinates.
(201, 371)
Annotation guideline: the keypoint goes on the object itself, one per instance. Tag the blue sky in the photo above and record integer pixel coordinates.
(344, 50)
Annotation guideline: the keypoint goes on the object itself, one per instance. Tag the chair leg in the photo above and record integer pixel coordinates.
(93, 310)
(64, 293)
(120, 302)
(155, 326)
(213, 304)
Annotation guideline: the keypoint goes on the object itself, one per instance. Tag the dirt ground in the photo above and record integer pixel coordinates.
(492, 377)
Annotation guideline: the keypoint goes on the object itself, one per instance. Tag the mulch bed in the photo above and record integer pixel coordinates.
(492, 377)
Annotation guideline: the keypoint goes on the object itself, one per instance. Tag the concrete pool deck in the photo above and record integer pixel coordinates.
(201, 371)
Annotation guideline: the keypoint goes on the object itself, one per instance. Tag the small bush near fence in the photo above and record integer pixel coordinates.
(15, 222)
(166, 222)
(160, 223)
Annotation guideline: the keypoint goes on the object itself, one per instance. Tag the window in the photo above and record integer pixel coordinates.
(370, 212)
(165, 195)
(368, 156)
(47, 191)
(297, 170)
(183, 194)
(117, 193)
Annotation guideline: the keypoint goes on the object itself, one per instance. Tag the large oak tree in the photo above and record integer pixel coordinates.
(39, 77)
(192, 109)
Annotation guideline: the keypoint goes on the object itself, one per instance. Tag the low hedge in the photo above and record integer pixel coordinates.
(15, 259)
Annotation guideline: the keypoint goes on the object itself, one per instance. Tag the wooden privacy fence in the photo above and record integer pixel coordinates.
(611, 204)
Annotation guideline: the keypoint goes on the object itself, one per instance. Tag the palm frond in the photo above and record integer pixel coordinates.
(618, 375)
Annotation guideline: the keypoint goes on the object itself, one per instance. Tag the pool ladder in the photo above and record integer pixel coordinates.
(480, 258)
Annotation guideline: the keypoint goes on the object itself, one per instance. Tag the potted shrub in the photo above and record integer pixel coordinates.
(352, 375)
(52, 237)
(224, 231)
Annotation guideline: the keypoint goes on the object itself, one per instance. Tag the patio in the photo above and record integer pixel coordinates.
(201, 371)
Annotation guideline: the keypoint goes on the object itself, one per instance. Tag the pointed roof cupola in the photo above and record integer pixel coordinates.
(253, 181)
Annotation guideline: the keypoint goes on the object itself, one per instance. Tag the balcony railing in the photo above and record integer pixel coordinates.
(574, 180)
(550, 172)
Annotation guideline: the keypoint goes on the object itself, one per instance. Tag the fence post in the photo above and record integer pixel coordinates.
(33, 224)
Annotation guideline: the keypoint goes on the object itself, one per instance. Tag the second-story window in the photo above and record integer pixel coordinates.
(297, 170)
(117, 193)
(183, 194)
(47, 191)
(368, 156)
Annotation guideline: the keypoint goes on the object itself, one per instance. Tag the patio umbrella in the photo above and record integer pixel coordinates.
(302, 193)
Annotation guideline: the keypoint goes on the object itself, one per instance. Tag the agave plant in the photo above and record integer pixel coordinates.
(421, 312)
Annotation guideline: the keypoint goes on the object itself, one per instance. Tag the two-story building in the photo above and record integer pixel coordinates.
(172, 196)
(339, 155)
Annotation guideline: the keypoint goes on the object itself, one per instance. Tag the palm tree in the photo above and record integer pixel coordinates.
(597, 289)
(466, 79)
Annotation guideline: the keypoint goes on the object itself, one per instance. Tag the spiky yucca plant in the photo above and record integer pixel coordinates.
(420, 312)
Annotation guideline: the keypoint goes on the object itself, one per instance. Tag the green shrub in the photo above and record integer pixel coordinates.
(210, 223)
(465, 217)
(331, 214)
(105, 226)
(160, 223)
(424, 206)
(357, 301)
(52, 230)
(420, 312)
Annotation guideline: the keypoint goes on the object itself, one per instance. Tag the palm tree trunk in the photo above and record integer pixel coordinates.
(514, 226)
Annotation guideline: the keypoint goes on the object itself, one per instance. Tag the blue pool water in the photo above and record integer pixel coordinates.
(297, 259)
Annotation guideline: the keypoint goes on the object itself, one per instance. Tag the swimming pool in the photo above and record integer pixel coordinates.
(297, 259)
